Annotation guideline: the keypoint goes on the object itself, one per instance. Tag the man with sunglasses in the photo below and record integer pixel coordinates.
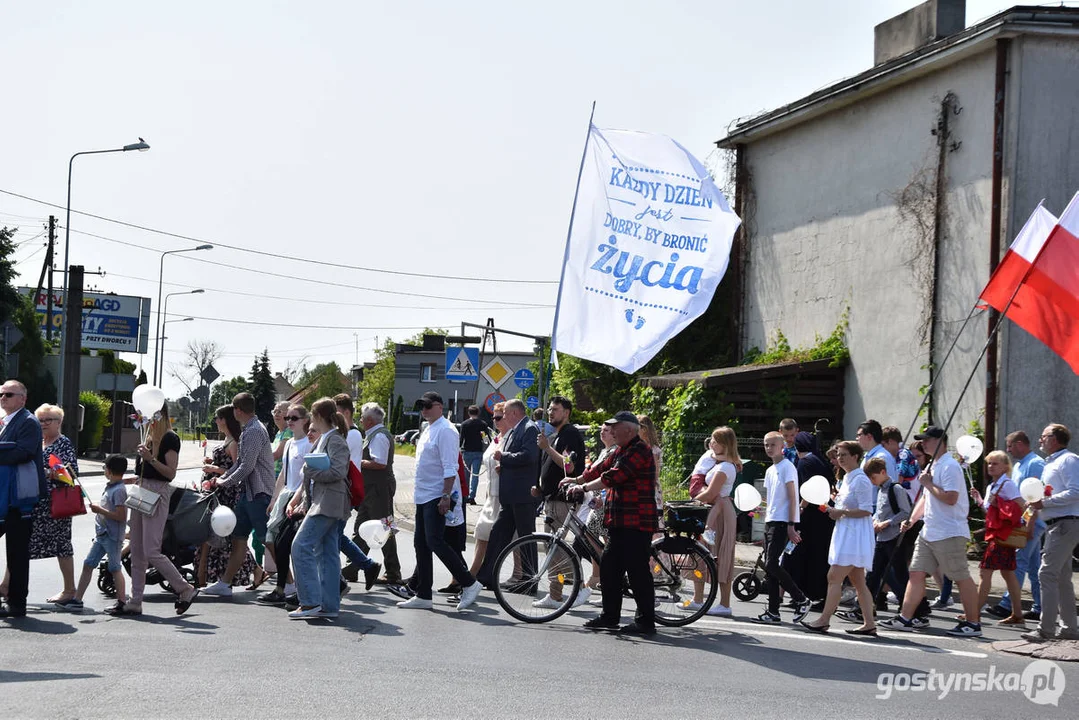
(20, 454)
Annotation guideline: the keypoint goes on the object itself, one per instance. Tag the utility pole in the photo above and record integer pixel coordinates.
(72, 350)
(49, 260)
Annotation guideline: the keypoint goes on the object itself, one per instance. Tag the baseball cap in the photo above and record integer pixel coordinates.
(430, 398)
(625, 416)
(932, 431)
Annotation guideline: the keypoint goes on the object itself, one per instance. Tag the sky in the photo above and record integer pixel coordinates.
(440, 139)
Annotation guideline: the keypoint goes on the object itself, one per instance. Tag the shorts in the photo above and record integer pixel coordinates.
(277, 516)
(251, 515)
(949, 555)
(104, 545)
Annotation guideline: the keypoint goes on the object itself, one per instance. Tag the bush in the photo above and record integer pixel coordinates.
(95, 419)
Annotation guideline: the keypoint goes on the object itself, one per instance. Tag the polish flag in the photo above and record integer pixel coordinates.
(1044, 263)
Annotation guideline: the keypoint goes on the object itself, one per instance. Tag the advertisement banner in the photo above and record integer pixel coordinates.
(109, 322)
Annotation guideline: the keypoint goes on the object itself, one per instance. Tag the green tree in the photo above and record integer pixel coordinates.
(324, 380)
(31, 350)
(9, 296)
(224, 391)
(377, 383)
(262, 387)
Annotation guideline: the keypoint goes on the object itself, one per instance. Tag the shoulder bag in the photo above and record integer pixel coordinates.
(139, 498)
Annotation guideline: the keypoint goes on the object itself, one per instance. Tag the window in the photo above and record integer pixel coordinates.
(427, 372)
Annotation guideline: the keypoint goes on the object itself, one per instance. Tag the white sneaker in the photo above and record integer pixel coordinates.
(416, 603)
(547, 602)
(893, 599)
(219, 588)
(720, 611)
(582, 597)
(290, 589)
(300, 613)
(692, 605)
(468, 595)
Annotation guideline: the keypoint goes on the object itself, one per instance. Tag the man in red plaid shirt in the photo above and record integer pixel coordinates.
(631, 518)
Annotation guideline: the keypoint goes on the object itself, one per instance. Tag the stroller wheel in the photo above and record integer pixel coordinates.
(747, 586)
(105, 583)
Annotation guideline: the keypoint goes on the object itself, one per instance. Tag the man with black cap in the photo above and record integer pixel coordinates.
(942, 543)
(631, 518)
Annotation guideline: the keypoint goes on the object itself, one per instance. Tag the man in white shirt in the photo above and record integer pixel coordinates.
(942, 544)
(1060, 511)
(781, 486)
(380, 485)
(870, 436)
(436, 474)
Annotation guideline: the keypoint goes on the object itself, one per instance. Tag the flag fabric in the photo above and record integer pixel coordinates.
(649, 241)
(1018, 259)
(1047, 303)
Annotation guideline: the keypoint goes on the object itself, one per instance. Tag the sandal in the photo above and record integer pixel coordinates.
(59, 597)
(258, 583)
(822, 629)
(182, 606)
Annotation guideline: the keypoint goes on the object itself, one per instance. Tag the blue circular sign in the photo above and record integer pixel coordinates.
(524, 378)
(532, 402)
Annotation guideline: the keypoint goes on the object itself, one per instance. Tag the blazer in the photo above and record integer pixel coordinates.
(520, 465)
(327, 490)
(20, 443)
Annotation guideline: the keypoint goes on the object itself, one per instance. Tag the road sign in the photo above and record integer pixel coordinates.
(524, 378)
(497, 372)
(462, 364)
(111, 382)
(532, 402)
(492, 400)
(209, 374)
(201, 393)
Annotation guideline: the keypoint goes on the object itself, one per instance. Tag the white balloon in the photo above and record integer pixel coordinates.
(747, 498)
(816, 490)
(374, 533)
(969, 447)
(1032, 489)
(223, 521)
(148, 399)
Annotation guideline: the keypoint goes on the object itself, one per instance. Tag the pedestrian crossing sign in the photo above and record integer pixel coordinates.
(462, 364)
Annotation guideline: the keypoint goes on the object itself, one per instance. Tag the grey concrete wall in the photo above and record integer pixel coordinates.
(825, 231)
(1037, 387)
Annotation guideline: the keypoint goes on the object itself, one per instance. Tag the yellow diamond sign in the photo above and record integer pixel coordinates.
(496, 372)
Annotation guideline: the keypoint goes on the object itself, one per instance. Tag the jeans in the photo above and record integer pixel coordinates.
(429, 538)
(627, 553)
(946, 588)
(316, 562)
(775, 540)
(1027, 562)
(472, 462)
(351, 550)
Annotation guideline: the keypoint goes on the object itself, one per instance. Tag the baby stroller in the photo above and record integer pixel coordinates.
(748, 585)
(187, 527)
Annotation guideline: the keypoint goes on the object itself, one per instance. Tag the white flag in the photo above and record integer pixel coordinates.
(649, 242)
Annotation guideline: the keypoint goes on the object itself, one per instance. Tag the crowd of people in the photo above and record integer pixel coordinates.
(896, 515)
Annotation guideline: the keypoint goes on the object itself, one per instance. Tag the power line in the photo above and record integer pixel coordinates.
(310, 327)
(290, 258)
(314, 280)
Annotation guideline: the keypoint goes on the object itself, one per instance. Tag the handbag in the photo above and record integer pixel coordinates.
(141, 500)
(1017, 538)
(355, 484)
(66, 501)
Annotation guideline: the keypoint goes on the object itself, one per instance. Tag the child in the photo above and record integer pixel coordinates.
(110, 523)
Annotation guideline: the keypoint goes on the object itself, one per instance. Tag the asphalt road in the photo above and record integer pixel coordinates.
(233, 658)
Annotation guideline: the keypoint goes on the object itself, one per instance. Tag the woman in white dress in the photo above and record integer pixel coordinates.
(853, 542)
(489, 511)
(722, 519)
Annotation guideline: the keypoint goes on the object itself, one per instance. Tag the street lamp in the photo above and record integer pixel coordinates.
(160, 277)
(161, 341)
(141, 146)
(165, 312)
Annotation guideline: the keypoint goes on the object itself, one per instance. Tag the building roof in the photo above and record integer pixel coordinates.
(921, 61)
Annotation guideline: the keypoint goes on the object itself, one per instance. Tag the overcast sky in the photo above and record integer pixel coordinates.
(423, 137)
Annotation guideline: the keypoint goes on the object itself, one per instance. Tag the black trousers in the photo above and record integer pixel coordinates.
(627, 553)
(17, 529)
(775, 540)
(283, 549)
(885, 569)
(519, 518)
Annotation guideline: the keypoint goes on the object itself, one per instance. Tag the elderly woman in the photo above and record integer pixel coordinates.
(49, 537)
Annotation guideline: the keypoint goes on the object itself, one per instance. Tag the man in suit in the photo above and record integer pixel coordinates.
(518, 471)
(20, 444)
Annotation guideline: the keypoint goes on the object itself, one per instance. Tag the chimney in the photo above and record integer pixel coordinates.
(921, 25)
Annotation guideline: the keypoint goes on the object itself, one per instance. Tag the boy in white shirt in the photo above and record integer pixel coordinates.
(781, 487)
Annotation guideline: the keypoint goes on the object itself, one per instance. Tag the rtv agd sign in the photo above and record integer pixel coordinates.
(109, 322)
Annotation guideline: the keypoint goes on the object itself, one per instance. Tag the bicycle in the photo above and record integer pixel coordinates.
(683, 571)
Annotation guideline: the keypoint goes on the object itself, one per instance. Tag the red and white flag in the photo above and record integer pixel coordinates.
(1044, 263)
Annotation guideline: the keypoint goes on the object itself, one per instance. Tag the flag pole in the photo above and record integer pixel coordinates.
(569, 233)
(929, 390)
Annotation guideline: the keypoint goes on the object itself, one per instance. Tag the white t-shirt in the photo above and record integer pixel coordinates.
(943, 521)
(355, 446)
(296, 450)
(378, 446)
(704, 464)
(776, 479)
(1004, 488)
(728, 470)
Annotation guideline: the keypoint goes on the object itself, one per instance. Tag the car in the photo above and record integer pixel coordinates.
(408, 436)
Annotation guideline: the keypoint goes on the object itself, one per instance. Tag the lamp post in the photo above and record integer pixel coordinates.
(165, 311)
(141, 146)
(160, 278)
(161, 340)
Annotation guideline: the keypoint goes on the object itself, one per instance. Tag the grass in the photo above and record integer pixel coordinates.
(408, 449)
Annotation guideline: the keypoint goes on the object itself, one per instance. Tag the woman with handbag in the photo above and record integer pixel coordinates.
(51, 536)
(1003, 515)
(323, 500)
(155, 468)
(722, 519)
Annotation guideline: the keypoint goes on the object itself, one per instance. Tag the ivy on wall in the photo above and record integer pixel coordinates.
(833, 347)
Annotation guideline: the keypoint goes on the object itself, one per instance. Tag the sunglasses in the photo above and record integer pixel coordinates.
(292, 418)
(10, 394)
(497, 417)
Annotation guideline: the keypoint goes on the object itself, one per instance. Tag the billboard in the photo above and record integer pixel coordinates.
(109, 322)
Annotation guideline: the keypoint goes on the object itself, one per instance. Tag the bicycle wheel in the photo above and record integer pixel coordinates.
(532, 570)
(684, 576)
